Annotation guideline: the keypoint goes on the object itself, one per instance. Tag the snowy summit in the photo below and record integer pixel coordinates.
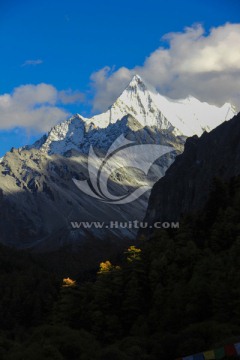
(184, 117)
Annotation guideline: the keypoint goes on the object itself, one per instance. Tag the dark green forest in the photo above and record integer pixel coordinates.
(172, 294)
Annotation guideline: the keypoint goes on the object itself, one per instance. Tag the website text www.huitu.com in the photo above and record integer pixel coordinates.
(135, 224)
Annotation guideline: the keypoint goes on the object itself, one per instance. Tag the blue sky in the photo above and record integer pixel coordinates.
(62, 43)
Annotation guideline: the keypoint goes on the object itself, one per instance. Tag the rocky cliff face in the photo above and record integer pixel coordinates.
(186, 185)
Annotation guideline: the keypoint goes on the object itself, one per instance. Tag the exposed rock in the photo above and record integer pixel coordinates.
(186, 185)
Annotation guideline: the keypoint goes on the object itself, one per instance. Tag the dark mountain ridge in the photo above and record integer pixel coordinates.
(187, 183)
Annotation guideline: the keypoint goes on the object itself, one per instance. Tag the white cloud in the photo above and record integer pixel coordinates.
(70, 97)
(108, 85)
(204, 65)
(32, 62)
(35, 107)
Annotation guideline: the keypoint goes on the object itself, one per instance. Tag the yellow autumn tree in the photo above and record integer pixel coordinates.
(67, 282)
(133, 253)
(105, 267)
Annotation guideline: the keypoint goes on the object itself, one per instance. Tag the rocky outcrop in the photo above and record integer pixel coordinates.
(187, 183)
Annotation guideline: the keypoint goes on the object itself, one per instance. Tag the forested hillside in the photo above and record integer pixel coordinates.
(175, 294)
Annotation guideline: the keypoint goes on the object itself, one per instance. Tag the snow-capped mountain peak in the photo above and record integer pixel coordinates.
(135, 83)
(185, 117)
